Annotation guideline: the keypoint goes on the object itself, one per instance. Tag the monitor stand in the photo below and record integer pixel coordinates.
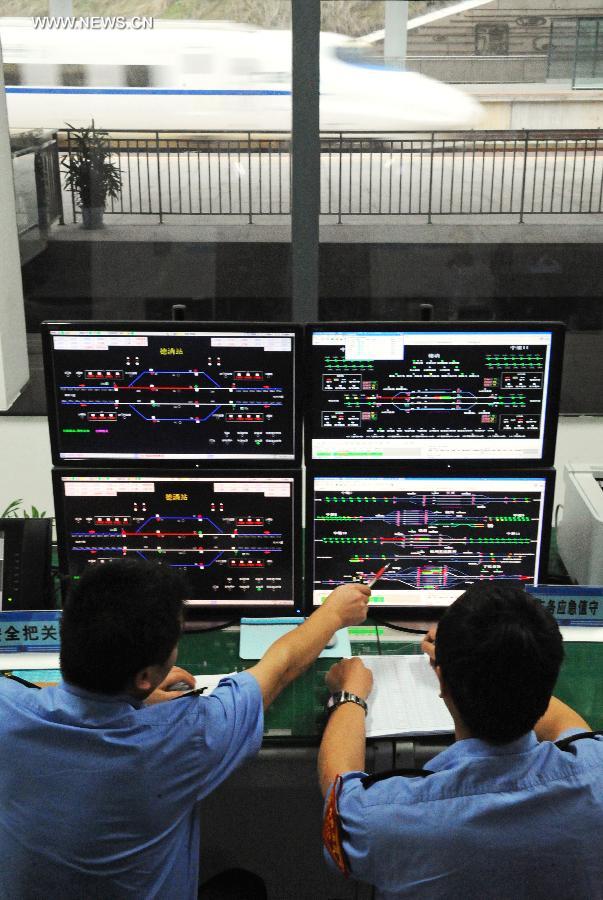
(200, 625)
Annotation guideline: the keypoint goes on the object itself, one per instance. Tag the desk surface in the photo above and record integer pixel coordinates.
(298, 714)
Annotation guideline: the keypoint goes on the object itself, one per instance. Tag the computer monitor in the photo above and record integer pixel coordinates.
(25, 565)
(233, 536)
(439, 534)
(436, 392)
(185, 392)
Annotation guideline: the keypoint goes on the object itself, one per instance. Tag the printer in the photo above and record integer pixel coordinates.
(580, 532)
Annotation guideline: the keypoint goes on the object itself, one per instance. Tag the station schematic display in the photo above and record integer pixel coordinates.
(438, 534)
(232, 537)
(135, 393)
(434, 394)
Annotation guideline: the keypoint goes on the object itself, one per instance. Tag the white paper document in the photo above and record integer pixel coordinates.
(405, 698)
(589, 634)
(210, 682)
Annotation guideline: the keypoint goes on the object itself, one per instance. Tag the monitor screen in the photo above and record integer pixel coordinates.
(438, 534)
(230, 535)
(434, 392)
(172, 391)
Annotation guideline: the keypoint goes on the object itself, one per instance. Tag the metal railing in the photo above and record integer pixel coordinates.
(248, 175)
(38, 193)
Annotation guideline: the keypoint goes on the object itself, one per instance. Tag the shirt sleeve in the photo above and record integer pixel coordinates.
(233, 727)
(354, 828)
(586, 748)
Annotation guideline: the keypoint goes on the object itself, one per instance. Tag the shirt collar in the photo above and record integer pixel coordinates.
(93, 697)
(474, 748)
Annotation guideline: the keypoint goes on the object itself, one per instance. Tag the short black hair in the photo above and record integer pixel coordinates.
(118, 618)
(500, 653)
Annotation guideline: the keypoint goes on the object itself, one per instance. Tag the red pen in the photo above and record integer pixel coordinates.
(379, 574)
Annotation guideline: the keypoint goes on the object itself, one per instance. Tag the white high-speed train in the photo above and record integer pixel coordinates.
(205, 76)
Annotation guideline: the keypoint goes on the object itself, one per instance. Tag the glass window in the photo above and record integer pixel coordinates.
(196, 206)
(105, 75)
(73, 75)
(243, 66)
(40, 74)
(197, 63)
(429, 187)
(561, 49)
(589, 54)
(138, 76)
(12, 74)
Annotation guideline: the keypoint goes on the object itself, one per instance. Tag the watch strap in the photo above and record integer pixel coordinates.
(341, 697)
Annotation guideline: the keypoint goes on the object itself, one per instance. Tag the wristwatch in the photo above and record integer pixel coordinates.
(341, 697)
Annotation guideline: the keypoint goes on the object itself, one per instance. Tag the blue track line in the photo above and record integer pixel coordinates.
(144, 92)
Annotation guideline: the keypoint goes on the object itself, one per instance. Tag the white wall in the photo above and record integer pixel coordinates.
(25, 462)
(25, 456)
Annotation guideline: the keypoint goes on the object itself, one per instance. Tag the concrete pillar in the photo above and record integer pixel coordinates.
(396, 22)
(305, 159)
(14, 368)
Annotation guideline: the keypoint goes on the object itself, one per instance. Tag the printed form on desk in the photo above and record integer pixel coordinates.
(210, 682)
(405, 698)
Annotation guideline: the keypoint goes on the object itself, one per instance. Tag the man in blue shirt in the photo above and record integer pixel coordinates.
(504, 812)
(100, 781)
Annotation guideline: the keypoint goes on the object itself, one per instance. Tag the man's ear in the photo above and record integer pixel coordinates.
(145, 679)
(442, 683)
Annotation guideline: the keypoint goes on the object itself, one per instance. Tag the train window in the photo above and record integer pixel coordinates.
(105, 75)
(73, 75)
(138, 76)
(197, 63)
(12, 74)
(39, 73)
(161, 76)
(240, 65)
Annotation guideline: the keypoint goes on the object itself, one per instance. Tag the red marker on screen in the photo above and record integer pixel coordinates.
(378, 575)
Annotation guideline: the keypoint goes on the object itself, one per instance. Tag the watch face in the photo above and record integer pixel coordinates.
(334, 699)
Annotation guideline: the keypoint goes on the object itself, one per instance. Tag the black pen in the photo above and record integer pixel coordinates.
(28, 684)
(194, 693)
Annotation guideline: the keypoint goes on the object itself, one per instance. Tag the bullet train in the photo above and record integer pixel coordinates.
(203, 75)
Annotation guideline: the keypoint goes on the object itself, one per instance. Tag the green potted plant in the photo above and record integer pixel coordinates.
(90, 173)
(15, 509)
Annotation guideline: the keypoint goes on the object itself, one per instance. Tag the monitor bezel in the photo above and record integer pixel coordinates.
(421, 611)
(201, 462)
(546, 460)
(194, 612)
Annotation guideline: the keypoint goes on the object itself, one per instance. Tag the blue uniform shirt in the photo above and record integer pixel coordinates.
(521, 821)
(98, 794)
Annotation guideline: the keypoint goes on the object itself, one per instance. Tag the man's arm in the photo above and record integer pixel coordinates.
(558, 718)
(291, 655)
(342, 748)
(162, 692)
